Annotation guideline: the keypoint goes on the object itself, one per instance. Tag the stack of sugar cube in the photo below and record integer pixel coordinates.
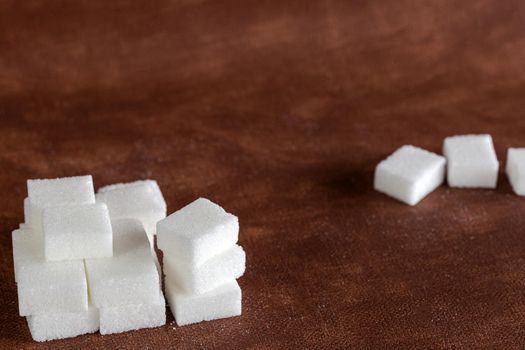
(201, 262)
(79, 268)
(411, 173)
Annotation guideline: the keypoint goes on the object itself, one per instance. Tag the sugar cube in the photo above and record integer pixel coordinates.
(214, 272)
(27, 246)
(471, 161)
(140, 200)
(130, 276)
(516, 169)
(45, 286)
(52, 326)
(46, 193)
(61, 191)
(223, 301)
(77, 232)
(197, 232)
(50, 287)
(130, 317)
(409, 174)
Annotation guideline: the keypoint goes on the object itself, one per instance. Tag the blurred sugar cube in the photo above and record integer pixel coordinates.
(471, 161)
(409, 174)
(515, 169)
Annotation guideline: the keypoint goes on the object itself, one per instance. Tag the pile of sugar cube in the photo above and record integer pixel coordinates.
(469, 161)
(85, 262)
(201, 262)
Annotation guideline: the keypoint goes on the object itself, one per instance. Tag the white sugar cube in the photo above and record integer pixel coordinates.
(216, 271)
(63, 325)
(61, 191)
(27, 246)
(130, 317)
(224, 301)
(77, 232)
(130, 276)
(409, 174)
(45, 287)
(197, 232)
(50, 287)
(471, 161)
(516, 169)
(46, 193)
(140, 200)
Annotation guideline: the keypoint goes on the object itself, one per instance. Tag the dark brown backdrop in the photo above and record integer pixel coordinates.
(279, 111)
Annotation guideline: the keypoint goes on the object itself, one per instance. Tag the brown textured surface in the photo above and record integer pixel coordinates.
(279, 111)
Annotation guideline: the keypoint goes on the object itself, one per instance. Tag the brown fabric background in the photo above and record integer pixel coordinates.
(279, 111)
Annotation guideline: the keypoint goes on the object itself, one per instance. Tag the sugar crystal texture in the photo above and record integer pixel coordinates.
(471, 161)
(515, 169)
(46, 193)
(216, 271)
(409, 174)
(130, 276)
(52, 326)
(221, 302)
(197, 232)
(131, 317)
(77, 232)
(140, 200)
(49, 287)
